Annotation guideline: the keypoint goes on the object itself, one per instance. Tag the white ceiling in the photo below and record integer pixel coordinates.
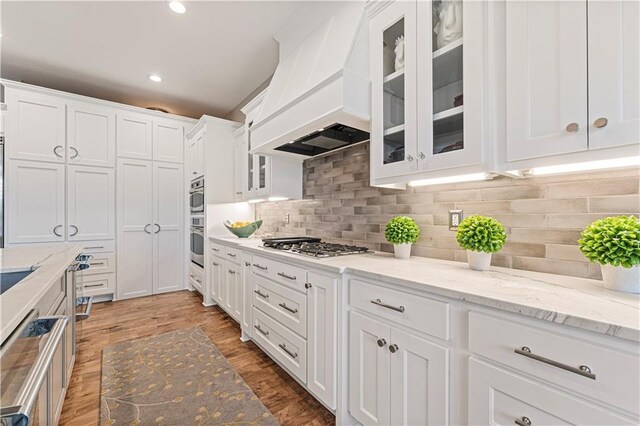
(210, 58)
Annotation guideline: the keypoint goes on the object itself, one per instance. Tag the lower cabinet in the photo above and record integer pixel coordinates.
(226, 284)
(215, 278)
(395, 377)
(195, 278)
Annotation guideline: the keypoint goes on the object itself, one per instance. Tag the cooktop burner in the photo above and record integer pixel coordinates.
(313, 247)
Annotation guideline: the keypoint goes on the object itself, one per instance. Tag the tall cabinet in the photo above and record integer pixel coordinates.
(428, 84)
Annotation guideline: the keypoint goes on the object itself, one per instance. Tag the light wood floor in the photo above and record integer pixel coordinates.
(114, 322)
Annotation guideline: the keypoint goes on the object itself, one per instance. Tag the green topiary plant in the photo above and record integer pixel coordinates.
(402, 230)
(481, 233)
(612, 241)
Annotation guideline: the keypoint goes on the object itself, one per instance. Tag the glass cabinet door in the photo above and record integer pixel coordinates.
(450, 79)
(393, 77)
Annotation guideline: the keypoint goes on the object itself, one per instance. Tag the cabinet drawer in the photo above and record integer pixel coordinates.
(498, 397)
(196, 278)
(291, 276)
(91, 247)
(616, 373)
(285, 305)
(230, 254)
(52, 298)
(217, 249)
(101, 263)
(423, 314)
(97, 285)
(281, 344)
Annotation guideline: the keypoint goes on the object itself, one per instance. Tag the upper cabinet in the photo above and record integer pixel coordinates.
(427, 75)
(35, 126)
(195, 152)
(168, 141)
(91, 135)
(572, 80)
(135, 136)
(241, 164)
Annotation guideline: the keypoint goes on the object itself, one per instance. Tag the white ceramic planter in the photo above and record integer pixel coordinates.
(622, 279)
(478, 260)
(402, 251)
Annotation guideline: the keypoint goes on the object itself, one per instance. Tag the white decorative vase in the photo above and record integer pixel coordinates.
(622, 279)
(478, 260)
(402, 251)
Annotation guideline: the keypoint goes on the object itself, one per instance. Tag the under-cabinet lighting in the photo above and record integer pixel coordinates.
(321, 129)
(277, 198)
(155, 78)
(590, 165)
(177, 7)
(452, 179)
(256, 200)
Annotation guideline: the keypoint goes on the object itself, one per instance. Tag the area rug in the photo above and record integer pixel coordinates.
(176, 378)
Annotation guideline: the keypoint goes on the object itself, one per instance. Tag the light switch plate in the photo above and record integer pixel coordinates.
(287, 218)
(455, 217)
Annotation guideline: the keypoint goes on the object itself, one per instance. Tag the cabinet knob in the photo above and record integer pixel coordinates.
(381, 342)
(393, 348)
(422, 156)
(409, 158)
(523, 421)
(600, 123)
(307, 285)
(572, 128)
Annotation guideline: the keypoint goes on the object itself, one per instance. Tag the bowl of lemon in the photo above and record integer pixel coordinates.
(242, 228)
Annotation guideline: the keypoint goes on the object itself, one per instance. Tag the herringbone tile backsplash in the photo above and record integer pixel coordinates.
(543, 216)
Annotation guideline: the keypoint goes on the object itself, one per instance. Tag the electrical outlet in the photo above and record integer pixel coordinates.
(455, 217)
(287, 218)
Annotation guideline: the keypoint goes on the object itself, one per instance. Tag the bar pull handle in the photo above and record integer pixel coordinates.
(293, 355)
(264, 332)
(261, 294)
(284, 306)
(289, 277)
(384, 305)
(582, 370)
(262, 268)
(231, 255)
(523, 421)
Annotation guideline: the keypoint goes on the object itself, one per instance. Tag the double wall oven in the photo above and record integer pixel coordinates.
(196, 236)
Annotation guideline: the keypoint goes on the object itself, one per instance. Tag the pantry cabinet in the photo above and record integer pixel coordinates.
(427, 90)
(575, 89)
(90, 203)
(91, 135)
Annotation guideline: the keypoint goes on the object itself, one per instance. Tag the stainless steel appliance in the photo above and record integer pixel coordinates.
(312, 247)
(197, 240)
(196, 196)
(3, 108)
(325, 140)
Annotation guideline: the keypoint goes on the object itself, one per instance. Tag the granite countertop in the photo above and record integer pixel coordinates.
(50, 263)
(575, 302)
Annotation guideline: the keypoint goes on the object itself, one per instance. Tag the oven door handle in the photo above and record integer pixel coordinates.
(29, 395)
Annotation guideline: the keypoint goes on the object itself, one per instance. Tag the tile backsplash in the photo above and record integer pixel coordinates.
(543, 215)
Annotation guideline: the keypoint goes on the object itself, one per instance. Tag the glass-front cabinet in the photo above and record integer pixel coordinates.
(427, 78)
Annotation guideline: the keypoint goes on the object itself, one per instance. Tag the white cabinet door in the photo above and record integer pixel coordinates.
(198, 165)
(35, 202)
(168, 210)
(135, 224)
(419, 381)
(35, 127)
(247, 294)
(240, 165)
(369, 370)
(546, 81)
(215, 279)
(134, 136)
(168, 141)
(91, 135)
(233, 290)
(321, 352)
(393, 96)
(91, 203)
(614, 73)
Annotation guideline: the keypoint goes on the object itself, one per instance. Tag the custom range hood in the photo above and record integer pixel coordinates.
(319, 97)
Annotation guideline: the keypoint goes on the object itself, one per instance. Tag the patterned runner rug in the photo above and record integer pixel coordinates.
(176, 378)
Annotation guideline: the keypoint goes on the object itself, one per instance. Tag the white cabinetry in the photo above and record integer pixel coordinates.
(168, 141)
(421, 125)
(240, 175)
(226, 278)
(91, 135)
(573, 90)
(35, 202)
(135, 136)
(90, 203)
(195, 154)
(150, 211)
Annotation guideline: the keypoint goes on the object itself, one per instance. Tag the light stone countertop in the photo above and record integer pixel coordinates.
(575, 302)
(50, 263)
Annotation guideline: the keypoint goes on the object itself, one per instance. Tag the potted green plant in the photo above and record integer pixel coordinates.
(480, 236)
(614, 243)
(402, 232)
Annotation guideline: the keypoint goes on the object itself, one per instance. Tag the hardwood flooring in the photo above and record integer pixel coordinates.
(113, 322)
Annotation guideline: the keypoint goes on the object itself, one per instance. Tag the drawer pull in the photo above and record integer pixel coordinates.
(231, 255)
(94, 247)
(261, 294)
(96, 263)
(231, 271)
(289, 277)
(247, 263)
(384, 305)
(293, 355)
(583, 370)
(262, 268)
(523, 421)
(215, 249)
(215, 263)
(264, 332)
(284, 306)
(93, 285)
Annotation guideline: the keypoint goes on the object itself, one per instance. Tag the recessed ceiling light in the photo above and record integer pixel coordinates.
(177, 7)
(155, 77)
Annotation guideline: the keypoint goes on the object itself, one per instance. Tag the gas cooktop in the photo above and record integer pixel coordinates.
(312, 247)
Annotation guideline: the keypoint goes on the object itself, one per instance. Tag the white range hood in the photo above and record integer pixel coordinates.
(322, 78)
